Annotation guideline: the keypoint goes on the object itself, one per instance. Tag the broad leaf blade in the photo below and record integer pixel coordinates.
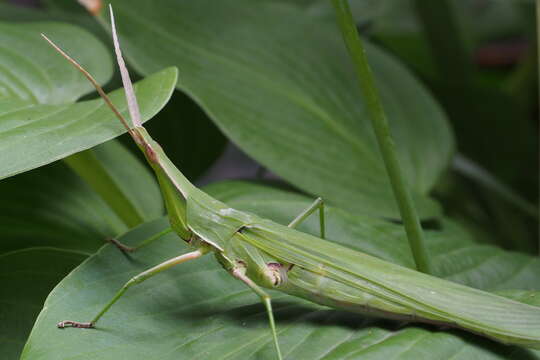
(187, 135)
(121, 180)
(279, 83)
(132, 177)
(197, 310)
(32, 71)
(364, 11)
(39, 123)
(35, 135)
(52, 207)
(525, 296)
(27, 277)
(50, 220)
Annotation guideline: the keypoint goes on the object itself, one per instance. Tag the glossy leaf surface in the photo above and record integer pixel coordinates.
(50, 220)
(39, 121)
(198, 310)
(27, 277)
(279, 83)
(52, 207)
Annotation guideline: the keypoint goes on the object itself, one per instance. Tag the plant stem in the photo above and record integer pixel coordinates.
(384, 138)
(445, 41)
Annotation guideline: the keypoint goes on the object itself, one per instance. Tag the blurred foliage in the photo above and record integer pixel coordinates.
(493, 109)
(273, 77)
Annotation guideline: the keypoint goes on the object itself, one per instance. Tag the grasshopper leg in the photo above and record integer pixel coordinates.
(133, 281)
(317, 204)
(121, 246)
(265, 298)
(127, 249)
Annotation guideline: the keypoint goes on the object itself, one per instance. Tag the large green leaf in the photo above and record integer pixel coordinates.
(39, 122)
(54, 10)
(32, 72)
(34, 135)
(50, 220)
(280, 84)
(524, 296)
(187, 135)
(196, 310)
(121, 180)
(181, 116)
(52, 207)
(362, 10)
(26, 278)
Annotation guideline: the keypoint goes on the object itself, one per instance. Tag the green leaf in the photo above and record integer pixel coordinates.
(187, 135)
(57, 220)
(524, 296)
(33, 73)
(26, 278)
(279, 84)
(64, 6)
(35, 135)
(363, 11)
(12, 13)
(196, 310)
(54, 10)
(52, 207)
(121, 180)
(39, 122)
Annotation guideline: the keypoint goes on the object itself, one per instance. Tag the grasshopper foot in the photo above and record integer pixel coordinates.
(75, 324)
(122, 247)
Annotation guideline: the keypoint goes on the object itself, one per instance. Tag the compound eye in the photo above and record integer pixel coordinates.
(278, 273)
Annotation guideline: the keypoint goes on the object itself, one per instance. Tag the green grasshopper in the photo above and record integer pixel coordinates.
(264, 254)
